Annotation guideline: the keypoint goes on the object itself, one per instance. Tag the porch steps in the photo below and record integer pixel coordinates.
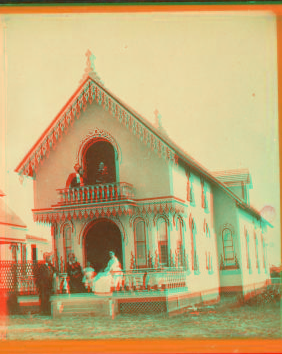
(81, 304)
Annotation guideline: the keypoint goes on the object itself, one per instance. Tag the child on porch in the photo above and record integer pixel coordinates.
(89, 275)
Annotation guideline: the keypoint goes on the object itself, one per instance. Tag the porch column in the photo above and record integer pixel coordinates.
(129, 245)
(78, 242)
(60, 249)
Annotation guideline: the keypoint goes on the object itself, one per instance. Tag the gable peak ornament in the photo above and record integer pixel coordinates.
(158, 122)
(90, 68)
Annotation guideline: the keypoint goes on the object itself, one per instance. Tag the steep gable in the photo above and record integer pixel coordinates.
(87, 93)
(93, 90)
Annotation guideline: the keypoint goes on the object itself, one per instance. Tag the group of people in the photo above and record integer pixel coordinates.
(88, 280)
(79, 280)
(77, 178)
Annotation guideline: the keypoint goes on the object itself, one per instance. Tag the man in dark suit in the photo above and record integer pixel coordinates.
(75, 179)
(44, 280)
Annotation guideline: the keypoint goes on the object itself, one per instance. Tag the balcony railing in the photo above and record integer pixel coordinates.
(96, 193)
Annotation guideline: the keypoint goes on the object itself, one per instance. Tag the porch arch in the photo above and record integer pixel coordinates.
(100, 236)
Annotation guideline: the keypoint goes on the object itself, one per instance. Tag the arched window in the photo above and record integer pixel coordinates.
(189, 187)
(194, 256)
(256, 246)
(163, 242)
(99, 163)
(67, 241)
(228, 248)
(206, 229)
(248, 250)
(179, 242)
(140, 243)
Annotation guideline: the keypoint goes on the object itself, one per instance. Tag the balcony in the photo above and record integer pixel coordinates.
(98, 193)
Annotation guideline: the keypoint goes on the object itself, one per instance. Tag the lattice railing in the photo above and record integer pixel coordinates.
(151, 306)
(18, 277)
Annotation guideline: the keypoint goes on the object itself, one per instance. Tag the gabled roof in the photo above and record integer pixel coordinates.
(36, 238)
(233, 176)
(147, 133)
(9, 217)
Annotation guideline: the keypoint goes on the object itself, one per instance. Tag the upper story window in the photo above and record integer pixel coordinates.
(189, 189)
(206, 229)
(228, 247)
(204, 201)
(140, 243)
(163, 242)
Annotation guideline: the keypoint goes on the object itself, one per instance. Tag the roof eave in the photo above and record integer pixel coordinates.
(17, 169)
(184, 156)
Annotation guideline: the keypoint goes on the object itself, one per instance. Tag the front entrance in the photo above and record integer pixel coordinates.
(102, 237)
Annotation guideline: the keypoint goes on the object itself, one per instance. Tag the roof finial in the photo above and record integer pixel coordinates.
(158, 119)
(90, 68)
(158, 122)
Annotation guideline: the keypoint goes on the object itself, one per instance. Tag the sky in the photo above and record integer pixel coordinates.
(212, 76)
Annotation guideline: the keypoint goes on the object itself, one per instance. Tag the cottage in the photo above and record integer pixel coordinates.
(106, 179)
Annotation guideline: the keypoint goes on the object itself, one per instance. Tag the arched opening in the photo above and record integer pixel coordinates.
(179, 243)
(100, 238)
(163, 242)
(140, 243)
(99, 151)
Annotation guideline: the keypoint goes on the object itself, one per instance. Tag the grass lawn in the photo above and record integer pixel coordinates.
(224, 320)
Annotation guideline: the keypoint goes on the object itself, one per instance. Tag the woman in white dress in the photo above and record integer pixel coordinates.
(110, 278)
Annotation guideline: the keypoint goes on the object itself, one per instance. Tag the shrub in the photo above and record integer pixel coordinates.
(271, 294)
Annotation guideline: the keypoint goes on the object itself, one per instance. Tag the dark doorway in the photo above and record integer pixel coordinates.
(100, 151)
(103, 237)
(33, 253)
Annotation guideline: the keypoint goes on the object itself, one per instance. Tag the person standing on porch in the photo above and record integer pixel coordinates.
(75, 179)
(44, 282)
(102, 174)
(75, 275)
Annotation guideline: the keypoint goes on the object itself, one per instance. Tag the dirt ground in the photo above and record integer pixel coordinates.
(224, 320)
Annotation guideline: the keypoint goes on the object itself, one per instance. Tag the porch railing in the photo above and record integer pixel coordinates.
(96, 193)
(20, 278)
(150, 279)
